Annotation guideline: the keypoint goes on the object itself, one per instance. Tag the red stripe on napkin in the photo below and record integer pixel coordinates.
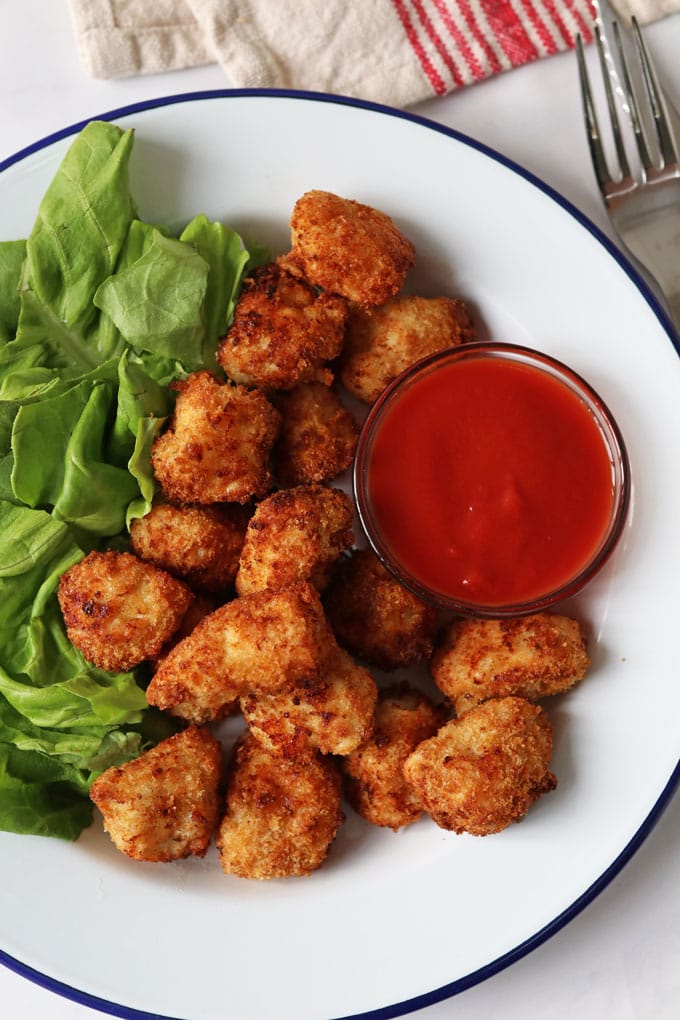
(585, 21)
(436, 81)
(471, 20)
(541, 27)
(554, 12)
(509, 31)
(443, 52)
(441, 14)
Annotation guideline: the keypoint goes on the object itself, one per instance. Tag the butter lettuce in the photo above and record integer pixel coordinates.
(227, 258)
(41, 796)
(99, 312)
(157, 302)
(12, 255)
(82, 223)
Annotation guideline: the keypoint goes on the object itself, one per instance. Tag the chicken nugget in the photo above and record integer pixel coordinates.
(381, 344)
(282, 813)
(347, 248)
(318, 435)
(264, 642)
(531, 657)
(295, 535)
(331, 713)
(200, 608)
(483, 771)
(199, 544)
(374, 779)
(163, 805)
(120, 611)
(283, 332)
(375, 617)
(216, 448)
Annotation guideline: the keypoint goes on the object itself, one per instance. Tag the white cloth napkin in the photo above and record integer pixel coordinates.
(391, 51)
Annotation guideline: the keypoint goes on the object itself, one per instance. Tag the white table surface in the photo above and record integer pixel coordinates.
(620, 957)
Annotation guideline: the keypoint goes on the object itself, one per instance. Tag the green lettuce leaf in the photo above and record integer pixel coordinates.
(139, 397)
(92, 750)
(60, 458)
(224, 251)
(12, 254)
(41, 796)
(82, 223)
(157, 302)
(140, 467)
(7, 415)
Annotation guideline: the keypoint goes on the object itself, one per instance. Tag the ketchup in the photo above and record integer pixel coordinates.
(490, 481)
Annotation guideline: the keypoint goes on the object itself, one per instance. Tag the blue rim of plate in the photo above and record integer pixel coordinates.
(567, 915)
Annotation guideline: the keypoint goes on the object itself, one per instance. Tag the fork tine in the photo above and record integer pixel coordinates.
(592, 127)
(611, 106)
(640, 141)
(669, 153)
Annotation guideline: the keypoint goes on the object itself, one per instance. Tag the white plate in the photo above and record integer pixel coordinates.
(393, 921)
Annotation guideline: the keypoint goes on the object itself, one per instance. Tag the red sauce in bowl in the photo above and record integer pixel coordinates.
(490, 477)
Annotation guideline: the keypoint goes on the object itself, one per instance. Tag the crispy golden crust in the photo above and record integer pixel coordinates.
(283, 332)
(216, 449)
(531, 657)
(374, 780)
(264, 642)
(485, 770)
(318, 435)
(282, 814)
(375, 617)
(120, 611)
(164, 805)
(199, 544)
(332, 713)
(295, 535)
(200, 608)
(381, 344)
(347, 248)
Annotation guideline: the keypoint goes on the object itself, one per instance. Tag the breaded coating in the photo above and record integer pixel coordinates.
(374, 779)
(264, 642)
(381, 344)
(164, 805)
(332, 713)
(282, 813)
(347, 248)
(199, 544)
(295, 535)
(375, 617)
(283, 332)
(200, 608)
(485, 770)
(531, 657)
(120, 611)
(318, 435)
(216, 448)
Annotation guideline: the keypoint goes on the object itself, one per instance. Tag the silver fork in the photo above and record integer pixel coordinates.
(644, 206)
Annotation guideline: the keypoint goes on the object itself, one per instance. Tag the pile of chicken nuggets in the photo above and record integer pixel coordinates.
(245, 594)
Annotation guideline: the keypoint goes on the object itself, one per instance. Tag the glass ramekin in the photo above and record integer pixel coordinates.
(611, 437)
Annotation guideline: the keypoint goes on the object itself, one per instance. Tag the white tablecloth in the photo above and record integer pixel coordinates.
(618, 959)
